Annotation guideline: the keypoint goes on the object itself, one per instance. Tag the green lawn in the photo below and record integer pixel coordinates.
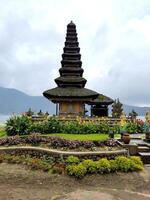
(2, 133)
(81, 136)
(69, 136)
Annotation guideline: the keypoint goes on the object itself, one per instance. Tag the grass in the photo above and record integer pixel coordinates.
(93, 136)
(2, 132)
(81, 136)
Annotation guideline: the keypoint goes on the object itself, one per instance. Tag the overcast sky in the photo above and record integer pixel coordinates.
(114, 37)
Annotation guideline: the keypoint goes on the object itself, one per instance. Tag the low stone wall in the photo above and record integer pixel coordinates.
(40, 152)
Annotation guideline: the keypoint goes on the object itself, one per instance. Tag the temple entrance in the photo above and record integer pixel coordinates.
(99, 110)
(71, 108)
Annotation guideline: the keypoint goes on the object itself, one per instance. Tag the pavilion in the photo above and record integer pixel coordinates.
(70, 95)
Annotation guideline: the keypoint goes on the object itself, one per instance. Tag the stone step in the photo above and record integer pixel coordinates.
(145, 157)
(143, 149)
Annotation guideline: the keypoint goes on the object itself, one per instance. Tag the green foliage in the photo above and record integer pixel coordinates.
(136, 163)
(90, 165)
(131, 127)
(18, 125)
(37, 127)
(33, 163)
(3, 133)
(72, 160)
(133, 114)
(113, 165)
(52, 125)
(121, 163)
(75, 167)
(117, 109)
(124, 164)
(23, 125)
(85, 128)
(103, 166)
(78, 171)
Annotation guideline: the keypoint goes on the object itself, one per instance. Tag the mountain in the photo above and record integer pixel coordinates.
(140, 110)
(15, 101)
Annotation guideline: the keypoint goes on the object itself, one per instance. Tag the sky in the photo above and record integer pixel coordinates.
(114, 37)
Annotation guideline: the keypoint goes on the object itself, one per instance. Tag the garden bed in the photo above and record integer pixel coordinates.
(73, 165)
(40, 152)
(60, 143)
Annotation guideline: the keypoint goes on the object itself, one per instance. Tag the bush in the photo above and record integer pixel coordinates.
(90, 166)
(103, 166)
(72, 160)
(52, 125)
(18, 125)
(136, 163)
(78, 171)
(37, 127)
(124, 164)
(113, 166)
(131, 127)
(121, 163)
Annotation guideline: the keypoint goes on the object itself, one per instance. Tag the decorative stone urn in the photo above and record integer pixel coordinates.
(126, 138)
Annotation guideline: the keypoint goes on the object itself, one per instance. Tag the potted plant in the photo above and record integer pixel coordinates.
(126, 138)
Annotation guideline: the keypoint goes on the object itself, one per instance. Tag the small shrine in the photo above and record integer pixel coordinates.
(70, 95)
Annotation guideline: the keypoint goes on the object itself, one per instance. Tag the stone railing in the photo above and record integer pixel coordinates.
(39, 152)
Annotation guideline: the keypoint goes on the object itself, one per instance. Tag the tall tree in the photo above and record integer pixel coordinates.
(117, 109)
(133, 115)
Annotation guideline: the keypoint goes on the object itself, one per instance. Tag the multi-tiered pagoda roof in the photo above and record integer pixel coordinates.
(70, 93)
(70, 83)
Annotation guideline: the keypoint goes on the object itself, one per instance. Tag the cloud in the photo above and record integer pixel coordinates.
(114, 38)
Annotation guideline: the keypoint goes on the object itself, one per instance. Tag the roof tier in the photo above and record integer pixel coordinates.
(70, 93)
(101, 99)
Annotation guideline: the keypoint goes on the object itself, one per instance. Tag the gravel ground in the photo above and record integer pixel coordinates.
(19, 183)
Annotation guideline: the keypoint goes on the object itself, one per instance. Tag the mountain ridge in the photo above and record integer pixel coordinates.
(16, 101)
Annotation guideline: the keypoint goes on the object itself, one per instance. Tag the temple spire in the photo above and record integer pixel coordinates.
(71, 71)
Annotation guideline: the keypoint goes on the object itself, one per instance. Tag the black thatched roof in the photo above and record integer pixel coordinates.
(70, 82)
(101, 99)
(69, 93)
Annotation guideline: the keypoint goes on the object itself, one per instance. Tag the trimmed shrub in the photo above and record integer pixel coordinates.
(113, 166)
(72, 160)
(124, 164)
(52, 125)
(103, 166)
(136, 163)
(90, 166)
(78, 171)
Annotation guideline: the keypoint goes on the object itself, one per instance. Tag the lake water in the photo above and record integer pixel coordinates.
(3, 118)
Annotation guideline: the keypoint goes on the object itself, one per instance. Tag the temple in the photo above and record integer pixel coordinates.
(70, 95)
